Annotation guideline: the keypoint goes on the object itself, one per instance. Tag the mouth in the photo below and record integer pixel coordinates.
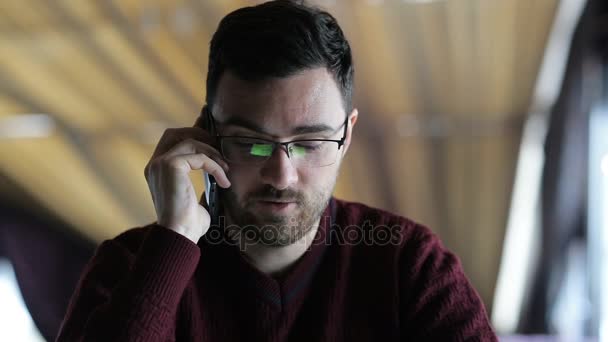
(277, 205)
(276, 201)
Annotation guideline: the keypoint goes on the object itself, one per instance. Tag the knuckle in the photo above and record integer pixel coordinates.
(195, 144)
(210, 161)
(216, 168)
(168, 132)
(190, 141)
(171, 163)
(152, 167)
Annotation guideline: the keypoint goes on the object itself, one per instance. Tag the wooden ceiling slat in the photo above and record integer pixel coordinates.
(346, 184)
(65, 67)
(69, 140)
(86, 11)
(504, 64)
(186, 71)
(462, 164)
(382, 78)
(165, 44)
(463, 58)
(497, 25)
(75, 64)
(81, 32)
(32, 17)
(72, 58)
(226, 6)
(10, 106)
(408, 170)
(360, 161)
(532, 44)
(431, 159)
(30, 75)
(132, 66)
(526, 55)
(72, 190)
(126, 61)
(435, 72)
(208, 21)
(498, 158)
(123, 160)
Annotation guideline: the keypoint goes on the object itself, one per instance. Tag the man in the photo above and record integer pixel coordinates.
(286, 261)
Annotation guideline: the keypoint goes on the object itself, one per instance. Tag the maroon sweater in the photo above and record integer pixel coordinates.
(368, 276)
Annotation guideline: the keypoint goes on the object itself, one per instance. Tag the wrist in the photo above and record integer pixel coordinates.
(185, 231)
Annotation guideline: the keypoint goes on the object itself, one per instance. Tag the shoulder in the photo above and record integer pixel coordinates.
(127, 242)
(410, 247)
(114, 258)
(404, 232)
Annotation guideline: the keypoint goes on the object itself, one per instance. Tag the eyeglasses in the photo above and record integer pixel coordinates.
(302, 152)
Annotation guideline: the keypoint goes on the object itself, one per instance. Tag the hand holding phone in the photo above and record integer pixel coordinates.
(179, 152)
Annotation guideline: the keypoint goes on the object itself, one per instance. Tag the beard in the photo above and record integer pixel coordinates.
(272, 229)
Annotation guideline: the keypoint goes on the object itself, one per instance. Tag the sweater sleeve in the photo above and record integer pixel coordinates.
(130, 289)
(438, 303)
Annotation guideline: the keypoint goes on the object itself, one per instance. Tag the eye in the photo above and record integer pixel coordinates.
(303, 148)
(244, 144)
(252, 146)
(308, 145)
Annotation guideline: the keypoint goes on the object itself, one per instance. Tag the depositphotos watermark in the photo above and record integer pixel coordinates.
(366, 233)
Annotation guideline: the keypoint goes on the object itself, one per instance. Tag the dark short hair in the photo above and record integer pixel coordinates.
(278, 39)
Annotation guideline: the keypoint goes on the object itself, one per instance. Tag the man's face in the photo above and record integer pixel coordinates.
(280, 109)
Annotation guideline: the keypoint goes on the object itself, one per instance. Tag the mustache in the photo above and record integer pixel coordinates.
(269, 193)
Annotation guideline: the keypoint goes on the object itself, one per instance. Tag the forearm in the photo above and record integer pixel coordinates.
(132, 302)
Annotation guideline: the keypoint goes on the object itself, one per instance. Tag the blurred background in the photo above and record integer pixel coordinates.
(485, 120)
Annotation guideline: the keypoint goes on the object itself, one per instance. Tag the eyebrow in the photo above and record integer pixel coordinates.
(305, 129)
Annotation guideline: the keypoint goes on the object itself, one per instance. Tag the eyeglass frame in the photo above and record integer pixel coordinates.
(284, 145)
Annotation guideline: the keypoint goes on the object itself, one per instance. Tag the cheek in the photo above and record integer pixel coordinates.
(318, 179)
(238, 175)
(242, 180)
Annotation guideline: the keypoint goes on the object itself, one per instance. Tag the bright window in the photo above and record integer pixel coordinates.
(15, 321)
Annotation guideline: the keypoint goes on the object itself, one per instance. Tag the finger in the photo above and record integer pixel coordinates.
(200, 161)
(174, 136)
(194, 147)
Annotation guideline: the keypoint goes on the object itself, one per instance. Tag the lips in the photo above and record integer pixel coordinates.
(277, 205)
(277, 201)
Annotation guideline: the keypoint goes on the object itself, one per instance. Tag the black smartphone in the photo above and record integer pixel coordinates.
(211, 189)
(211, 194)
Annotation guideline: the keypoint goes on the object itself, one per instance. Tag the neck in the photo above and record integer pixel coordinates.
(275, 261)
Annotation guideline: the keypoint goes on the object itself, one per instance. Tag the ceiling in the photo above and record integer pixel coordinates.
(442, 88)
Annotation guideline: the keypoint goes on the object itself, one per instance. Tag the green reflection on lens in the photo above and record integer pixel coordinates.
(261, 150)
(298, 151)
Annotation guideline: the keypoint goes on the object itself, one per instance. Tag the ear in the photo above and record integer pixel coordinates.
(352, 120)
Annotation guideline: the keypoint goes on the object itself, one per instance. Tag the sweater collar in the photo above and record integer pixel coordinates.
(279, 292)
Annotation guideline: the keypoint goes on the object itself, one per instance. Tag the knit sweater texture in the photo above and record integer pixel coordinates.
(369, 275)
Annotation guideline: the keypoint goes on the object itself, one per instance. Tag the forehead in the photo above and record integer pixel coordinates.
(279, 104)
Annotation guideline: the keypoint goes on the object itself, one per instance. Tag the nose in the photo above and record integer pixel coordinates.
(278, 171)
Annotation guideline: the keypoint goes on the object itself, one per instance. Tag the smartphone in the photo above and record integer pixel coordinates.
(211, 189)
(211, 195)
